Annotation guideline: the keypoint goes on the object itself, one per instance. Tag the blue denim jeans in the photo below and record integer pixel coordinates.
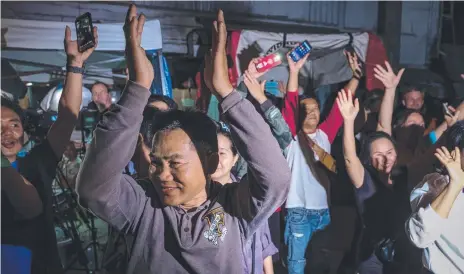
(300, 224)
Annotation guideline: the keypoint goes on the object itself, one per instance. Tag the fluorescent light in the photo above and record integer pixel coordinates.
(29, 84)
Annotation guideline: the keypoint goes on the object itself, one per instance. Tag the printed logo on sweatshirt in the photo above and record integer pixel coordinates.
(217, 227)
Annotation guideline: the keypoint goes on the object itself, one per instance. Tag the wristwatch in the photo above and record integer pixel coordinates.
(76, 69)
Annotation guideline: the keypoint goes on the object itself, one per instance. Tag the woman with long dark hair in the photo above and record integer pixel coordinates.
(381, 194)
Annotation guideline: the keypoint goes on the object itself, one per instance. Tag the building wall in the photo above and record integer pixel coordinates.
(177, 18)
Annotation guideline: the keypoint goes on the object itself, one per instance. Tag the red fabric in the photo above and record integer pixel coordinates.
(232, 51)
(332, 123)
(376, 54)
(203, 98)
(290, 110)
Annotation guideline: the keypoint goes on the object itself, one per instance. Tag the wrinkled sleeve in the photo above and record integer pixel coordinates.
(101, 184)
(266, 184)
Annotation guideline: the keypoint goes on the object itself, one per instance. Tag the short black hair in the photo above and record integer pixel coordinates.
(365, 155)
(8, 103)
(100, 83)
(172, 105)
(197, 125)
(407, 88)
(403, 115)
(455, 136)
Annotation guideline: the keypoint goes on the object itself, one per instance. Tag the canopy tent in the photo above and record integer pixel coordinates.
(35, 50)
(326, 65)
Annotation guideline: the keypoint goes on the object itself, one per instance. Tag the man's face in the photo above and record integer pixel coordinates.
(311, 112)
(176, 169)
(12, 133)
(101, 97)
(413, 100)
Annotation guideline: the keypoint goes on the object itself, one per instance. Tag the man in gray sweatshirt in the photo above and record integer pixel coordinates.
(188, 224)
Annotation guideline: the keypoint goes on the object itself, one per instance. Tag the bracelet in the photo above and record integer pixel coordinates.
(75, 69)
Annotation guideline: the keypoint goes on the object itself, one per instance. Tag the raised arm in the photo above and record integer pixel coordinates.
(101, 186)
(334, 120)
(390, 81)
(426, 224)
(272, 115)
(265, 187)
(290, 107)
(71, 98)
(20, 192)
(349, 111)
(458, 115)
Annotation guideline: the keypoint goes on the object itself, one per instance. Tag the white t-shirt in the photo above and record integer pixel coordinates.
(305, 191)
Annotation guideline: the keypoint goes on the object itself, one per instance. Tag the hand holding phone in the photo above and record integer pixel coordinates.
(446, 110)
(84, 29)
(301, 51)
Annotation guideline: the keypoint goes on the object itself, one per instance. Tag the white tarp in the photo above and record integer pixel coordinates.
(49, 35)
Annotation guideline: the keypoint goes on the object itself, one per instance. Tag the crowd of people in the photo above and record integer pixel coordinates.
(202, 196)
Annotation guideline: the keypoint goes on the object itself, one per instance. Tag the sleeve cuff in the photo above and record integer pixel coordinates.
(433, 137)
(231, 100)
(266, 105)
(134, 97)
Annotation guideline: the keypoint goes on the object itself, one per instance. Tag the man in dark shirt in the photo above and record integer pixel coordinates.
(190, 224)
(36, 231)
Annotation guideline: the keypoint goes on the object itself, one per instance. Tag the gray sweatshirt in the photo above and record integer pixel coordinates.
(209, 239)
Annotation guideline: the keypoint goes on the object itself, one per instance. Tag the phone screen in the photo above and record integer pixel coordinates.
(300, 51)
(84, 27)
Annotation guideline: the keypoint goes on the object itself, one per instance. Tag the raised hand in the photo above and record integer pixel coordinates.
(296, 66)
(354, 64)
(252, 68)
(76, 58)
(254, 87)
(388, 77)
(346, 106)
(140, 67)
(452, 163)
(220, 76)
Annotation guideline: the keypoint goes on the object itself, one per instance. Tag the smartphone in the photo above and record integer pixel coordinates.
(300, 51)
(84, 30)
(446, 110)
(270, 61)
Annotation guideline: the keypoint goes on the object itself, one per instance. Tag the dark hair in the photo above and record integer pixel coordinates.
(403, 115)
(8, 103)
(224, 130)
(372, 100)
(197, 125)
(365, 155)
(172, 105)
(100, 83)
(455, 136)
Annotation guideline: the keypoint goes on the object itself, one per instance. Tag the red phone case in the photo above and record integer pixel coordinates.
(267, 62)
